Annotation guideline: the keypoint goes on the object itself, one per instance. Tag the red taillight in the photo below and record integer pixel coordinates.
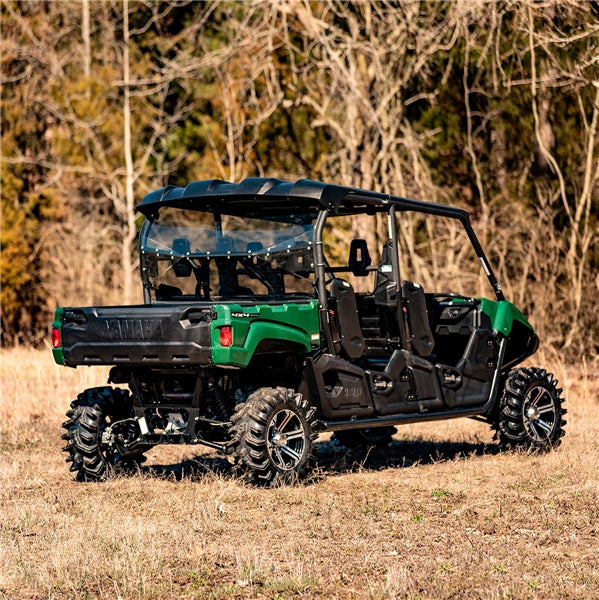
(56, 341)
(226, 335)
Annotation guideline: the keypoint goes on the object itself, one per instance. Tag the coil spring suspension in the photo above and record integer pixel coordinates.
(218, 402)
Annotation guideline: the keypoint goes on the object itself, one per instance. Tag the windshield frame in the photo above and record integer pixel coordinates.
(294, 240)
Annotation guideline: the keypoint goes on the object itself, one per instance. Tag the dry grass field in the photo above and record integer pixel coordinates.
(440, 514)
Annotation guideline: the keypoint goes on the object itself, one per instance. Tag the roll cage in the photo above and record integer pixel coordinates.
(275, 198)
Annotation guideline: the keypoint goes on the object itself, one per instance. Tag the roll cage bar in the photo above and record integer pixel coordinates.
(259, 196)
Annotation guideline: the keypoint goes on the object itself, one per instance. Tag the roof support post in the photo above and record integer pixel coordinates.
(486, 265)
(394, 239)
(319, 269)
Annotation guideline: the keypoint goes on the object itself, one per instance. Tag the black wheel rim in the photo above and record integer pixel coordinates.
(286, 440)
(539, 413)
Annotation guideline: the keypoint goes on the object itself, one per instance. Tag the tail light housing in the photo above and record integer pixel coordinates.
(56, 338)
(226, 336)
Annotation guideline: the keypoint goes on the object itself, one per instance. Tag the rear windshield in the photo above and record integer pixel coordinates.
(178, 232)
(192, 255)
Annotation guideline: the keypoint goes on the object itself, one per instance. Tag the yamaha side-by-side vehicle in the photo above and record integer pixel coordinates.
(252, 340)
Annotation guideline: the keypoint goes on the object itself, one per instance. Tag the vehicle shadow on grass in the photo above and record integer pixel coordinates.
(334, 460)
(397, 455)
(195, 468)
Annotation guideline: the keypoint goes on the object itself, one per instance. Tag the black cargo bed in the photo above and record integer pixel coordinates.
(157, 335)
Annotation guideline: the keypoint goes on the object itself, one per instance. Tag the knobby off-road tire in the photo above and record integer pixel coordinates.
(273, 436)
(531, 411)
(364, 438)
(89, 415)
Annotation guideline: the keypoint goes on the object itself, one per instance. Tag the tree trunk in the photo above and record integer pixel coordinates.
(129, 230)
(85, 34)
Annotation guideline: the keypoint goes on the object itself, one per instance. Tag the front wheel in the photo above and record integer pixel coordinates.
(531, 411)
(273, 435)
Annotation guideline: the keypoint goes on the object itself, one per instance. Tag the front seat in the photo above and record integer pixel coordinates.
(344, 306)
(421, 335)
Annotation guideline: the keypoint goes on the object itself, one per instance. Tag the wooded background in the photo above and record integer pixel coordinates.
(493, 107)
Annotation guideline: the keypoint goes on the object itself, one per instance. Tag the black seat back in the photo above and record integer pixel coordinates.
(421, 335)
(359, 257)
(385, 288)
(386, 298)
(350, 335)
(181, 266)
(228, 281)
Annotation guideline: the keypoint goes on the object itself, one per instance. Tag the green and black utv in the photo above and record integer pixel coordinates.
(254, 337)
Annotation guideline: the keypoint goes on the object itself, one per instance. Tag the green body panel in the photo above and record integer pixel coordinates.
(502, 314)
(293, 322)
(57, 323)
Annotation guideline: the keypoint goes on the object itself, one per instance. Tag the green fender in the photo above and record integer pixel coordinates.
(502, 314)
(289, 322)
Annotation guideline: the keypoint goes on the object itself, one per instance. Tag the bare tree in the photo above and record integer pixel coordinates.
(355, 69)
(581, 79)
(107, 122)
(494, 107)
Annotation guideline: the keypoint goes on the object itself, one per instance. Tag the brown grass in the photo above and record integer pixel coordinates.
(439, 514)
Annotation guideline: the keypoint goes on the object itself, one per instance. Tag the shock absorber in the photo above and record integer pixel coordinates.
(218, 402)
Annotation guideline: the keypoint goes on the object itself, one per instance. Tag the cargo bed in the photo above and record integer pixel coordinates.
(151, 335)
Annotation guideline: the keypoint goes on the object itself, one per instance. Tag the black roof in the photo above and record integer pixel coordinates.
(261, 195)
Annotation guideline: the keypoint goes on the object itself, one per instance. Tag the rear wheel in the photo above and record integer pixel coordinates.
(91, 455)
(273, 436)
(531, 411)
